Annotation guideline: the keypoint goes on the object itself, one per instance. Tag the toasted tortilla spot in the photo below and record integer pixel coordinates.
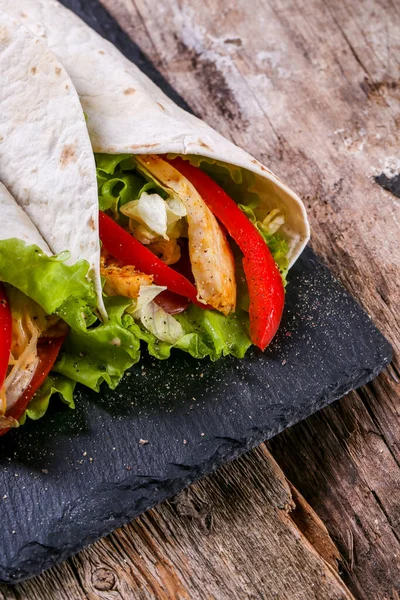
(68, 155)
(23, 15)
(129, 91)
(83, 172)
(101, 52)
(204, 145)
(57, 71)
(4, 35)
(33, 70)
(92, 224)
(161, 106)
(137, 146)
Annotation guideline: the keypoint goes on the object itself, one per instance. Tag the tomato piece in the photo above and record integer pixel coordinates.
(5, 334)
(48, 350)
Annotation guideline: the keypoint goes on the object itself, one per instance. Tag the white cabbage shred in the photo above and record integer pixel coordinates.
(152, 218)
(154, 318)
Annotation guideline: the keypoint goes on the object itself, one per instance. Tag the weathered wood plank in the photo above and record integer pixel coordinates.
(352, 480)
(58, 584)
(229, 536)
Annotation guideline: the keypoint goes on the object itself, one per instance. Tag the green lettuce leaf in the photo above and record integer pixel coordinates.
(119, 183)
(47, 279)
(117, 191)
(207, 334)
(220, 335)
(54, 384)
(104, 352)
(116, 186)
(107, 163)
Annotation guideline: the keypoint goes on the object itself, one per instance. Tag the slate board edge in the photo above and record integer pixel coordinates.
(45, 557)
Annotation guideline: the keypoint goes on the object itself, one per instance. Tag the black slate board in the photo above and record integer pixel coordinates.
(74, 476)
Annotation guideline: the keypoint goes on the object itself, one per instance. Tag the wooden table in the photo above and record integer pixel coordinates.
(312, 89)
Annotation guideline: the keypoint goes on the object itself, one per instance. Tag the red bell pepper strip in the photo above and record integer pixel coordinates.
(47, 349)
(120, 244)
(5, 334)
(263, 278)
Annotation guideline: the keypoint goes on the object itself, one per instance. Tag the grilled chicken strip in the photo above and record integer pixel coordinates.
(122, 280)
(210, 254)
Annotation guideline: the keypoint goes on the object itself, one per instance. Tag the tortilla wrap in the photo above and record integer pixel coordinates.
(16, 224)
(46, 159)
(127, 113)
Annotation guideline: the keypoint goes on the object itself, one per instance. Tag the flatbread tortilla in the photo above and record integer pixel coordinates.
(46, 159)
(127, 113)
(15, 224)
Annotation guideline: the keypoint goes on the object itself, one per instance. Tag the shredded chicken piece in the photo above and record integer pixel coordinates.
(122, 280)
(29, 324)
(55, 327)
(22, 372)
(7, 422)
(168, 250)
(3, 401)
(210, 254)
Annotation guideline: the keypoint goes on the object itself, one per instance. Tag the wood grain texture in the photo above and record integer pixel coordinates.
(311, 89)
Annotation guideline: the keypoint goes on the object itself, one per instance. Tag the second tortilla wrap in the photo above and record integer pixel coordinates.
(46, 159)
(16, 224)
